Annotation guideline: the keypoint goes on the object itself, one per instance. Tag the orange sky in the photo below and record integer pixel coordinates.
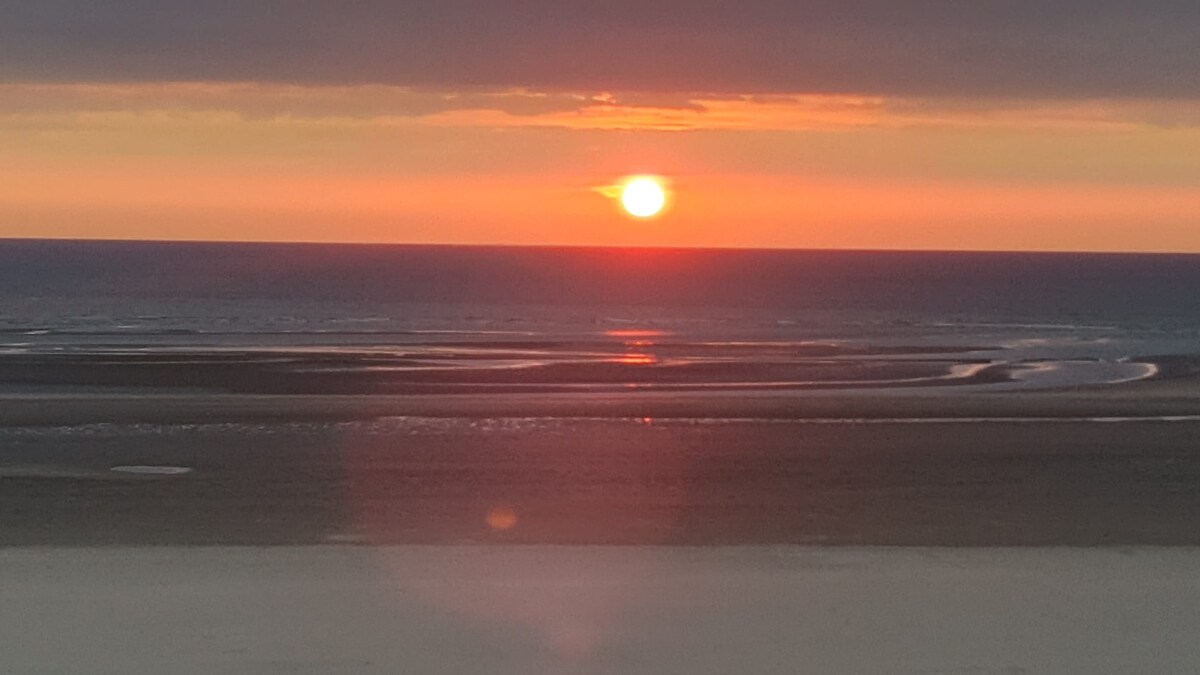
(392, 164)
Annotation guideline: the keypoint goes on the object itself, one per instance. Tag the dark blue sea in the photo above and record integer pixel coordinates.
(353, 319)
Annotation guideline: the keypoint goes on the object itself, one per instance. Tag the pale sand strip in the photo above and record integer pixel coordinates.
(525, 610)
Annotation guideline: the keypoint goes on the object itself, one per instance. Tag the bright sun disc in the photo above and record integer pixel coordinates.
(643, 197)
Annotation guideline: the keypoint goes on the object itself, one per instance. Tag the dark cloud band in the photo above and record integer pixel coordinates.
(1029, 48)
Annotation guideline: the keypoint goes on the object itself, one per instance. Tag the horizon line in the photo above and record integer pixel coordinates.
(617, 247)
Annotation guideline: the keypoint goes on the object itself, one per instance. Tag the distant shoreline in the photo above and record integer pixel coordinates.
(1151, 398)
(579, 247)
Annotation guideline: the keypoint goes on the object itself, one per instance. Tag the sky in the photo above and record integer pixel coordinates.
(919, 124)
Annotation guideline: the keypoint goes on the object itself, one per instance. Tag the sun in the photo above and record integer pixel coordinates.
(643, 196)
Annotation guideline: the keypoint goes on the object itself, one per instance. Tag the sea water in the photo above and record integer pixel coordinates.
(423, 320)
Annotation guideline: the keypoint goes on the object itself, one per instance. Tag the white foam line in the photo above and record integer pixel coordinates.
(1149, 370)
(153, 470)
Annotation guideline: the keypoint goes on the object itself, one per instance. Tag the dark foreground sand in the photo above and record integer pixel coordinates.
(1031, 540)
(625, 611)
(1053, 479)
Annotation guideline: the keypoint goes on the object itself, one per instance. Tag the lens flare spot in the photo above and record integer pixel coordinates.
(501, 518)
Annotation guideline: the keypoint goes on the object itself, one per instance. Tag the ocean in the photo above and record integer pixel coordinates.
(326, 319)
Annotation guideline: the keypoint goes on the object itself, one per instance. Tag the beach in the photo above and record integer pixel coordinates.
(1170, 389)
(627, 610)
(1023, 532)
(300, 478)
(1110, 466)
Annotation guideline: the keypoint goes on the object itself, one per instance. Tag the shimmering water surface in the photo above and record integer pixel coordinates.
(261, 319)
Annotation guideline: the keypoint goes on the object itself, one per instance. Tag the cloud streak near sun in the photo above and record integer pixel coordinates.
(64, 104)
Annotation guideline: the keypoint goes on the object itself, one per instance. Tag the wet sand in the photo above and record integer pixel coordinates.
(1088, 467)
(286, 471)
(1155, 397)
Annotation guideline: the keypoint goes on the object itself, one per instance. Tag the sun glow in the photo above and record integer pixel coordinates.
(643, 197)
